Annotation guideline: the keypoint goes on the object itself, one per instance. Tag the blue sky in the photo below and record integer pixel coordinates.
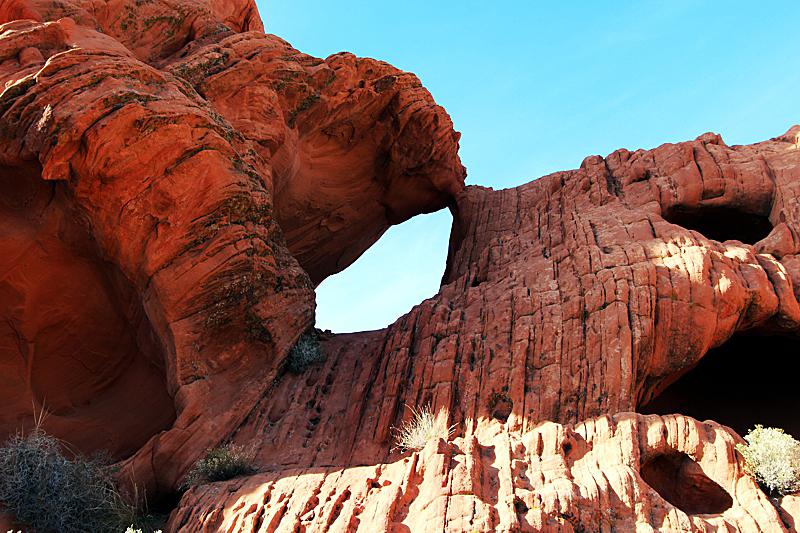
(535, 87)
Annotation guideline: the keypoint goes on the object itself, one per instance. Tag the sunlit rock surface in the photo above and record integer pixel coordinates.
(175, 182)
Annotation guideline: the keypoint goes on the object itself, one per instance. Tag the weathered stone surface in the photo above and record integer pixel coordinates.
(564, 299)
(553, 478)
(147, 293)
(150, 29)
(171, 188)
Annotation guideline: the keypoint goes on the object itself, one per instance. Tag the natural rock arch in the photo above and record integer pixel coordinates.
(189, 154)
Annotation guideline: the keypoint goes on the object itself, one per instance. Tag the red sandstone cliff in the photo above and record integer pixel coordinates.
(175, 182)
(144, 264)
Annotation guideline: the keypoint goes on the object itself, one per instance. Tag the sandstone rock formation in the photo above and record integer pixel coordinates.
(566, 299)
(144, 266)
(175, 182)
(623, 473)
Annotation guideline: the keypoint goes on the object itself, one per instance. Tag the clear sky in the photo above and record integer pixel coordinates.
(535, 87)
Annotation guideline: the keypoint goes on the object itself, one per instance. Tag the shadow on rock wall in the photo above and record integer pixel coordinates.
(192, 179)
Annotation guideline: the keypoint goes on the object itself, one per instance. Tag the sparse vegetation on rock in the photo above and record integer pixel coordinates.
(49, 492)
(222, 464)
(424, 426)
(305, 352)
(772, 457)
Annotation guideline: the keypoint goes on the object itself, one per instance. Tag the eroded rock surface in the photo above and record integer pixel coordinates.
(174, 182)
(148, 293)
(553, 478)
(564, 299)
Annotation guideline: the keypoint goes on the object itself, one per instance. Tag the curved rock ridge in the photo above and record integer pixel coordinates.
(354, 145)
(148, 294)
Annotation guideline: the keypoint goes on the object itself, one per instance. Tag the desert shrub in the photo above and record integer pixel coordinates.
(305, 352)
(51, 493)
(222, 464)
(773, 458)
(424, 426)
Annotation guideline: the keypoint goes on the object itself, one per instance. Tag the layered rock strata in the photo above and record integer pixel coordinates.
(174, 182)
(149, 296)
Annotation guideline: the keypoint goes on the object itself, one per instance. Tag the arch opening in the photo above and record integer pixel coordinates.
(403, 268)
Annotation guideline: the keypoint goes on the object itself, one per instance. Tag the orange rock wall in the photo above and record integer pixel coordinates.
(565, 299)
(146, 267)
(174, 183)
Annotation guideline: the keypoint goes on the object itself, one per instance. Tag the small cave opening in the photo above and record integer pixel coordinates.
(677, 478)
(722, 223)
(745, 381)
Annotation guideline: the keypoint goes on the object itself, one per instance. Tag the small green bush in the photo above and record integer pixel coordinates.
(222, 464)
(305, 352)
(773, 458)
(424, 426)
(51, 493)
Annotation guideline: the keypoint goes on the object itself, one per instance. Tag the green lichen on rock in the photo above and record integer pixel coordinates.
(196, 71)
(122, 99)
(305, 105)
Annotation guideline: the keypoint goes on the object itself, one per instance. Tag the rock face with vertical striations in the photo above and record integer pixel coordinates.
(174, 183)
(567, 304)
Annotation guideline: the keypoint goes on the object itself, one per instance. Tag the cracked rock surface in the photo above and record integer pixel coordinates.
(174, 183)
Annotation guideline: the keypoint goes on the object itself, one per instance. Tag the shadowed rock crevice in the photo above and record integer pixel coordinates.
(89, 349)
(681, 481)
(722, 223)
(730, 387)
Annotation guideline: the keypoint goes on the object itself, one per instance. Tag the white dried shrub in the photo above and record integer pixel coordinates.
(773, 458)
(423, 426)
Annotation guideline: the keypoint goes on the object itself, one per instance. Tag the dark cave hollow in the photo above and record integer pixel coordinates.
(748, 380)
(722, 223)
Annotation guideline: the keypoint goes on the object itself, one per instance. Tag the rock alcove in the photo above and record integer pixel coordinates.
(735, 387)
(723, 223)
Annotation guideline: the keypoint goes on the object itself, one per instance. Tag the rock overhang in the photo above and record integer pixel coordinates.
(568, 299)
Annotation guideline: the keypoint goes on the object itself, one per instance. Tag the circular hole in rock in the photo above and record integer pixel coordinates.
(502, 411)
(722, 223)
(743, 382)
(681, 481)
